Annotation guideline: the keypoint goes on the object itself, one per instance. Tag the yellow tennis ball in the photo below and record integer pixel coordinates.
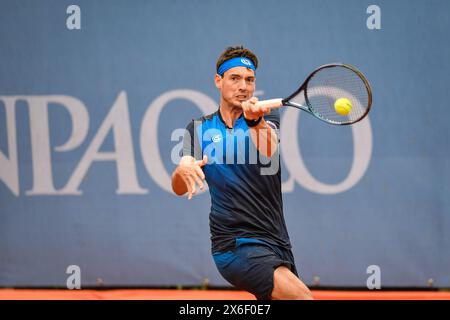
(343, 106)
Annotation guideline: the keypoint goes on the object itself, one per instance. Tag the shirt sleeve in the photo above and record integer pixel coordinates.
(191, 146)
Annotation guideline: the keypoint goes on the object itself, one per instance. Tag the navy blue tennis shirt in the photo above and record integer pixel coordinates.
(245, 187)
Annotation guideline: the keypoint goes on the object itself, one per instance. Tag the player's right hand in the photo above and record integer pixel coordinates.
(252, 111)
(190, 171)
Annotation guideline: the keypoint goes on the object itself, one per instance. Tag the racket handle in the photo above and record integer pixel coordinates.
(272, 103)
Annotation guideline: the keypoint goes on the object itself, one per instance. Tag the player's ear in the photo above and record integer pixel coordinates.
(218, 81)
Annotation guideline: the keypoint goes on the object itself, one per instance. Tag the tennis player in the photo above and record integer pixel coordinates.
(250, 242)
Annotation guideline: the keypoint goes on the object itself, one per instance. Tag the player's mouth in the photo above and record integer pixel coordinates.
(242, 97)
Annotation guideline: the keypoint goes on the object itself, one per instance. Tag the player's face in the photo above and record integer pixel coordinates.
(236, 85)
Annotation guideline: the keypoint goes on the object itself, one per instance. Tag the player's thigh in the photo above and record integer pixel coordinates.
(287, 286)
(249, 267)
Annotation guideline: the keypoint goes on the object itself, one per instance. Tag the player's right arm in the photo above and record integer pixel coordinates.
(188, 175)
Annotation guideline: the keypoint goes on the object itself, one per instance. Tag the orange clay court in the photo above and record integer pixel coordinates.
(168, 294)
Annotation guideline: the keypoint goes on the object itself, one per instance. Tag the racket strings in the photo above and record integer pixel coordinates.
(332, 83)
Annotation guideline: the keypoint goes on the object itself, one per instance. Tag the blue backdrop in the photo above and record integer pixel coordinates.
(88, 121)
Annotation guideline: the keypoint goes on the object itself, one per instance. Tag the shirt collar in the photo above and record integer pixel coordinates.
(221, 119)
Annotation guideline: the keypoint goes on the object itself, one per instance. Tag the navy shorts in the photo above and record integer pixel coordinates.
(251, 264)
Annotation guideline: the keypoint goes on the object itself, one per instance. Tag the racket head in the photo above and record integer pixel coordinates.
(318, 94)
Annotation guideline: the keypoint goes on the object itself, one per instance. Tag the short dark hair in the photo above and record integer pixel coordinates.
(238, 51)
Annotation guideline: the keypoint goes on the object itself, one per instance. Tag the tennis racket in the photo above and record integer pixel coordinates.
(335, 93)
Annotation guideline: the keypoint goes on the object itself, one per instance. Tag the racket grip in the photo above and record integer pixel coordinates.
(272, 103)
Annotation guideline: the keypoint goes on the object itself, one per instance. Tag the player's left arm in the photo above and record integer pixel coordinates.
(263, 135)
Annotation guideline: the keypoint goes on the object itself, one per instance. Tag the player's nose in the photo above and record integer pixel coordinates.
(242, 85)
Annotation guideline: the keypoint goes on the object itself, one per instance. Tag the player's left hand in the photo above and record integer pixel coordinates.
(251, 111)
